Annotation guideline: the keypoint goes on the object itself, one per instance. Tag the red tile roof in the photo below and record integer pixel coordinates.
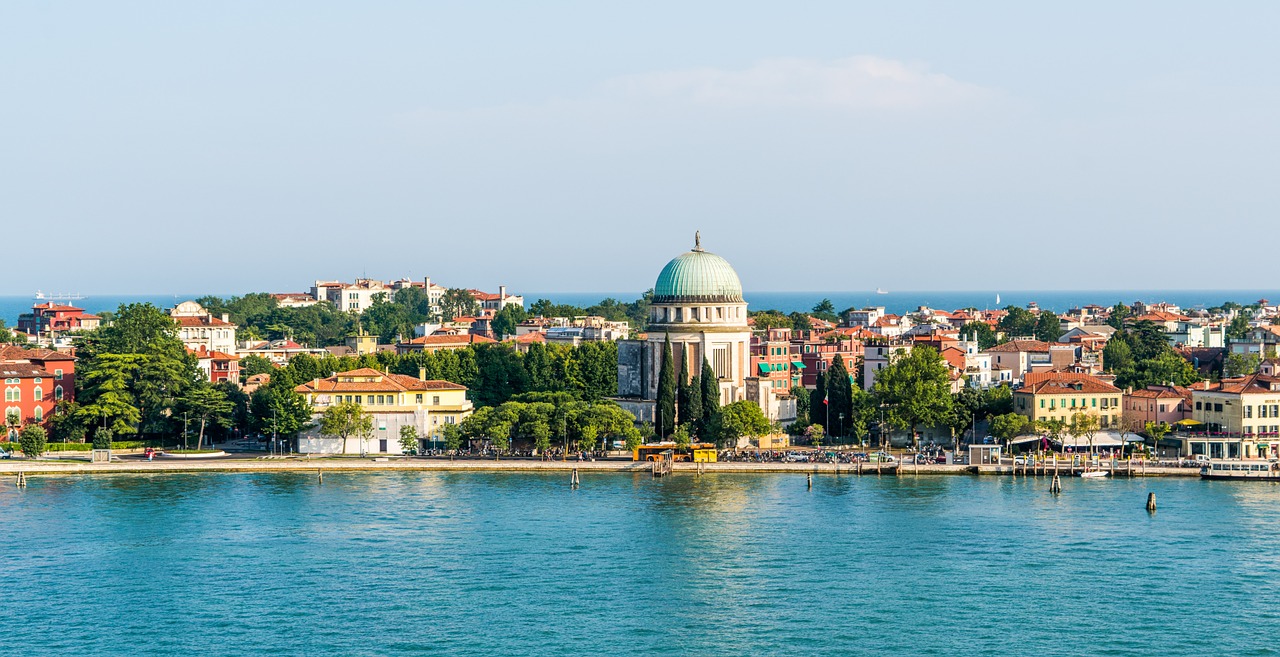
(382, 382)
(204, 320)
(434, 340)
(1012, 346)
(1064, 383)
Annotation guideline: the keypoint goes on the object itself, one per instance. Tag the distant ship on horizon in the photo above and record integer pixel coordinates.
(881, 290)
(41, 296)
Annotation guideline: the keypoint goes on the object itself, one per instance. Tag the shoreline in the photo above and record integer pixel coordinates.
(54, 467)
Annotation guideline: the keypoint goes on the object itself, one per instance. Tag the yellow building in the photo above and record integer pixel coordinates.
(394, 401)
(1241, 416)
(1059, 395)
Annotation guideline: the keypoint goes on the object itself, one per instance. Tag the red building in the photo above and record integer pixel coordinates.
(35, 380)
(772, 361)
(818, 353)
(218, 366)
(52, 317)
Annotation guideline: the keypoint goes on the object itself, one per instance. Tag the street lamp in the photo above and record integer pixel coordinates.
(841, 415)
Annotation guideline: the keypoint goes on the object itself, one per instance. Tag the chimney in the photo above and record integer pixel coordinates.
(422, 374)
(226, 318)
(502, 293)
(316, 383)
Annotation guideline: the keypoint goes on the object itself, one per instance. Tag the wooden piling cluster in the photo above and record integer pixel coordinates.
(574, 481)
(22, 480)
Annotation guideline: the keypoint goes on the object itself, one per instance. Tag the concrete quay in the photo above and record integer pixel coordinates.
(355, 464)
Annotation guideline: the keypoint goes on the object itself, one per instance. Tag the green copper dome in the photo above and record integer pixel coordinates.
(698, 276)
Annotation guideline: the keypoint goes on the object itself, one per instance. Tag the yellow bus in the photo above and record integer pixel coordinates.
(697, 452)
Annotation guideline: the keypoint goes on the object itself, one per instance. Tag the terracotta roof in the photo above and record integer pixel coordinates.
(1012, 346)
(1159, 393)
(205, 320)
(955, 357)
(430, 340)
(202, 352)
(529, 338)
(21, 371)
(383, 382)
(1254, 384)
(1064, 383)
(14, 352)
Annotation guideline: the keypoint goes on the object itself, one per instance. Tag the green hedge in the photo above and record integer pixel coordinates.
(84, 447)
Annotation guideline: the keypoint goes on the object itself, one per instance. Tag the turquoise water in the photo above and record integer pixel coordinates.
(517, 564)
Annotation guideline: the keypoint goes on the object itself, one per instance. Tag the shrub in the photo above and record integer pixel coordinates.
(33, 439)
(102, 438)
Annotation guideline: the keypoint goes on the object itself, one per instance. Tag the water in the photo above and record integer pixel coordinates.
(909, 301)
(787, 302)
(519, 564)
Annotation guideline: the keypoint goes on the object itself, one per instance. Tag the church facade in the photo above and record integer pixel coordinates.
(698, 305)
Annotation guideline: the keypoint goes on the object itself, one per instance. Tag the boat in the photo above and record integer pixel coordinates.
(1094, 474)
(41, 296)
(881, 291)
(1253, 470)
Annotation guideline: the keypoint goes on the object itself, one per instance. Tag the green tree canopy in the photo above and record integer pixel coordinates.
(736, 420)
(916, 390)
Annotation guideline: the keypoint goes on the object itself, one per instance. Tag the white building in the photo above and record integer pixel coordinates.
(197, 328)
(697, 305)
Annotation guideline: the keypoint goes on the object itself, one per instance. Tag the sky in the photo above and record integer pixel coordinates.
(227, 147)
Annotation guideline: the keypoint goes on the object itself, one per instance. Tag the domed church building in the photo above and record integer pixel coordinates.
(698, 304)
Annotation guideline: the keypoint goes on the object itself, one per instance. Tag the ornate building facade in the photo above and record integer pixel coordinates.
(698, 305)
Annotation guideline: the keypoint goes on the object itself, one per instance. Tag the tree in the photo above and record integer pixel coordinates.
(710, 393)
(818, 407)
(802, 404)
(12, 421)
(1117, 356)
(32, 440)
(665, 410)
(1157, 431)
(839, 395)
(452, 437)
(682, 436)
(506, 320)
(456, 302)
(763, 320)
(108, 400)
(916, 389)
(1119, 313)
(825, 310)
(864, 411)
(1240, 365)
(277, 410)
(684, 399)
(252, 364)
(981, 331)
(814, 432)
(1052, 428)
(1017, 322)
(1083, 425)
(1238, 328)
(206, 403)
(1008, 426)
(741, 418)
(409, 438)
(694, 416)
(1048, 327)
(344, 420)
(102, 438)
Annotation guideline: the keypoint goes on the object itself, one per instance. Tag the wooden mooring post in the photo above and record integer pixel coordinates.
(810, 476)
(574, 482)
(319, 476)
(22, 480)
(1151, 502)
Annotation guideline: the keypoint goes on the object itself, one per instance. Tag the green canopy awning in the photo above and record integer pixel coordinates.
(764, 368)
(797, 364)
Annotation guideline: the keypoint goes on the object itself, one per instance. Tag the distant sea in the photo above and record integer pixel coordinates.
(787, 302)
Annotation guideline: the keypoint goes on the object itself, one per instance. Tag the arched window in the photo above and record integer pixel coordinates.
(39, 414)
(57, 393)
(38, 394)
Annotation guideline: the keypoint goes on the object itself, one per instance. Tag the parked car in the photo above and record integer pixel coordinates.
(1019, 460)
(4, 454)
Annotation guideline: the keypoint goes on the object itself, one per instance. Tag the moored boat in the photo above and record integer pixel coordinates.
(1251, 469)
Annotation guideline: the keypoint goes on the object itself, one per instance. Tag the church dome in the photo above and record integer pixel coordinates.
(698, 276)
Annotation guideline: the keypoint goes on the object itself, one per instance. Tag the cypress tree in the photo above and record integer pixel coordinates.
(683, 393)
(839, 395)
(694, 411)
(818, 410)
(665, 415)
(710, 393)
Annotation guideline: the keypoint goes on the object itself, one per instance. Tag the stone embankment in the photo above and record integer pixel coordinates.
(351, 464)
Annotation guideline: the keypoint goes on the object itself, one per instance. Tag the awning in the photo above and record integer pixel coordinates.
(1189, 423)
(764, 368)
(797, 364)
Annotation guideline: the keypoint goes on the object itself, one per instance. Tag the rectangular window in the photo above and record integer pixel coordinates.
(1041, 403)
(1217, 408)
(1095, 402)
(417, 398)
(1248, 411)
(359, 399)
(1198, 405)
(57, 375)
(435, 400)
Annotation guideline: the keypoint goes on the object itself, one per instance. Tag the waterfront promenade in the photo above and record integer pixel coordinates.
(355, 464)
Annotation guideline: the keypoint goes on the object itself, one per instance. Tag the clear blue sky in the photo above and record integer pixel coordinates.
(233, 146)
